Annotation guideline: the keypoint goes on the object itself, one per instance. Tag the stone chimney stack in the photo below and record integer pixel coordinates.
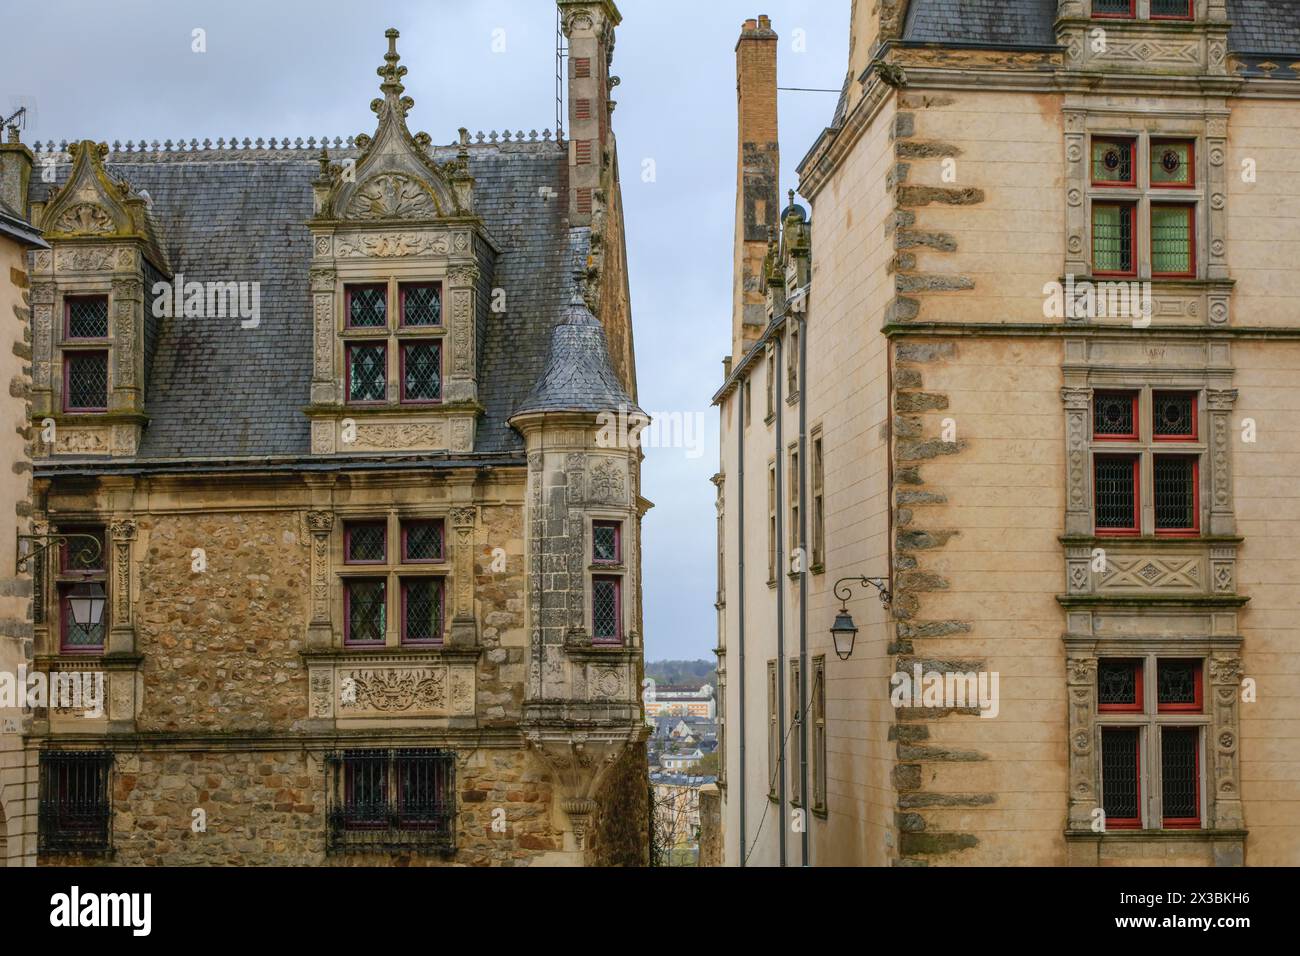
(15, 172)
(758, 167)
(588, 26)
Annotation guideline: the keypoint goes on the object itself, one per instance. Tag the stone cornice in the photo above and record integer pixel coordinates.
(1048, 329)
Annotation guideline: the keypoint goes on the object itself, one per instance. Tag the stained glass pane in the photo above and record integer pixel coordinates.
(1112, 238)
(423, 540)
(366, 542)
(366, 612)
(1117, 683)
(421, 305)
(604, 542)
(1171, 164)
(604, 609)
(1178, 772)
(1115, 493)
(367, 307)
(1175, 492)
(1119, 773)
(1112, 414)
(423, 610)
(1171, 240)
(1112, 161)
(368, 376)
(1177, 682)
(88, 318)
(422, 372)
(87, 380)
(1173, 414)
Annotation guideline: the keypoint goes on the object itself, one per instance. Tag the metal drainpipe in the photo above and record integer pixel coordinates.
(740, 548)
(778, 372)
(805, 559)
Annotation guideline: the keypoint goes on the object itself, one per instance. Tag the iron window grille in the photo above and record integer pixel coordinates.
(75, 813)
(1173, 416)
(86, 317)
(1119, 686)
(365, 608)
(606, 610)
(423, 542)
(1115, 416)
(1173, 241)
(421, 372)
(606, 542)
(1114, 239)
(384, 800)
(1122, 9)
(1171, 10)
(367, 372)
(367, 307)
(423, 607)
(1114, 162)
(1115, 482)
(421, 305)
(365, 542)
(1180, 777)
(1121, 778)
(1177, 495)
(1179, 686)
(85, 381)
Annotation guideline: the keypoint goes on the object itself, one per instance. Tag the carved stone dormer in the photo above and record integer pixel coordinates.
(400, 264)
(92, 336)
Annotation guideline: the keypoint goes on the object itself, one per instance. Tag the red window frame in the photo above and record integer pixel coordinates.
(1184, 823)
(1133, 397)
(1198, 672)
(402, 289)
(1195, 529)
(67, 319)
(1129, 141)
(1176, 141)
(1136, 527)
(1196, 425)
(347, 384)
(1138, 705)
(68, 357)
(617, 582)
(347, 306)
(424, 522)
(618, 542)
(349, 527)
(1189, 15)
(1132, 235)
(1190, 210)
(1131, 15)
(441, 585)
(347, 611)
(1128, 823)
(401, 369)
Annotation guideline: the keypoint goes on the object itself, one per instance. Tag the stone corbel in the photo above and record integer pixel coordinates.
(577, 764)
(320, 629)
(1225, 686)
(121, 632)
(1081, 680)
(464, 625)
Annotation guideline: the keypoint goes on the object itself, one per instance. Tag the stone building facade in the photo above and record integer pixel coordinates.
(1031, 363)
(370, 566)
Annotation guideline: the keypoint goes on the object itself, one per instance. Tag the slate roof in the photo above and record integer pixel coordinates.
(18, 229)
(221, 391)
(1258, 26)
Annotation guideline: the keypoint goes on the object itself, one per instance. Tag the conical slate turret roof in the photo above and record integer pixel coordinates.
(578, 376)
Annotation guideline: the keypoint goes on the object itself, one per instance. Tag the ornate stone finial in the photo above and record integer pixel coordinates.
(791, 193)
(324, 160)
(579, 296)
(391, 72)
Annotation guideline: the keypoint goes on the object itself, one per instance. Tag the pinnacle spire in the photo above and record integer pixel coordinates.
(391, 72)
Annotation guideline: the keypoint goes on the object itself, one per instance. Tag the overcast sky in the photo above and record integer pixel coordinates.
(125, 69)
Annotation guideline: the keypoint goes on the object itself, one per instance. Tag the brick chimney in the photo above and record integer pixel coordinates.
(589, 28)
(758, 166)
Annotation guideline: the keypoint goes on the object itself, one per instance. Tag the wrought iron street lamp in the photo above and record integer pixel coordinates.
(844, 632)
(86, 600)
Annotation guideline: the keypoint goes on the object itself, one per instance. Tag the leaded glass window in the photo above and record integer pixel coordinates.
(1172, 238)
(605, 542)
(1112, 162)
(422, 371)
(1180, 778)
(421, 305)
(85, 381)
(1114, 415)
(1112, 238)
(1171, 164)
(1175, 492)
(367, 307)
(365, 542)
(1173, 415)
(422, 541)
(88, 317)
(1115, 486)
(367, 372)
(1121, 791)
(366, 610)
(605, 609)
(422, 610)
(1119, 685)
(1178, 685)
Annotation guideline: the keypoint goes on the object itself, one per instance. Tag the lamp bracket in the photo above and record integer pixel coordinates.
(844, 591)
(38, 544)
